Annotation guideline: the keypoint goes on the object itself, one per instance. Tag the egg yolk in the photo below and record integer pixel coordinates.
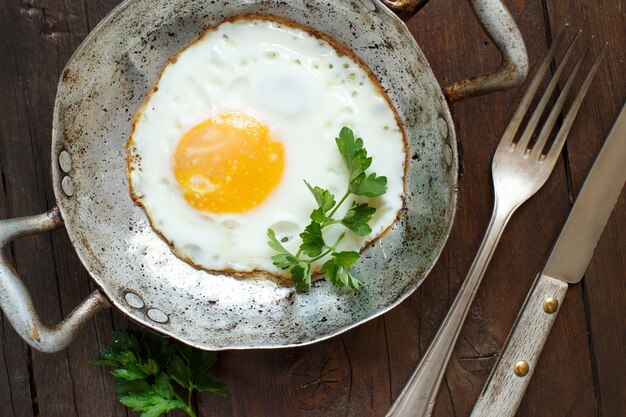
(228, 164)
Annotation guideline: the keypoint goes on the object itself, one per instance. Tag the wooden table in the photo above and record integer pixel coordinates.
(583, 369)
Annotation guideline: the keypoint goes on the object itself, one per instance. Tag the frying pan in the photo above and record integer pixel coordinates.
(101, 88)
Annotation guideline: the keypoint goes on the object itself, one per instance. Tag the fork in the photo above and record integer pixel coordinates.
(519, 170)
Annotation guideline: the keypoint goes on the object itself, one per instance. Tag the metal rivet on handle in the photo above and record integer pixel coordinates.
(444, 131)
(521, 368)
(65, 161)
(134, 300)
(157, 315)
(551, 305)
(67, 186)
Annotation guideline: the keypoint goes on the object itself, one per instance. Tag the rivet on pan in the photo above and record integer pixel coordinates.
(369, 6)
(65, 161)
(157, 315)
(134, 300)
(443, 127)
(67, 186)
(521, 368)
(551, 305)
(447, 154)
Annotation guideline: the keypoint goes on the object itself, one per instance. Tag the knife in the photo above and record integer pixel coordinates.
(567, 264)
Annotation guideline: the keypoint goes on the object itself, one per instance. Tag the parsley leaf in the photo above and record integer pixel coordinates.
(312, 240)
(275, 244)
(335, 270)
(284, 261)
(187, 369)
(205, 382)
(369, 186)
(353, 153)
(150, 371)
(301, 275)
(152, 399)
(357, 218)
(137, 370)
(325, 201)
(324, 198)
(346, 259)
(320, 217)
(180, 371)
(357, 161)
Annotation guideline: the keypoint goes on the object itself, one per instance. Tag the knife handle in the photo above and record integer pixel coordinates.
(508, 381)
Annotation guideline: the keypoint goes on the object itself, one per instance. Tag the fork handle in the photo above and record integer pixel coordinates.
(507, 384)
(417, 399)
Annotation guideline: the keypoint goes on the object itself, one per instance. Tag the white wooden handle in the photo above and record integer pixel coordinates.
(508, 381)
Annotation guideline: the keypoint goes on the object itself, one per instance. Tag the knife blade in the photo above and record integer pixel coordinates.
(567, 263)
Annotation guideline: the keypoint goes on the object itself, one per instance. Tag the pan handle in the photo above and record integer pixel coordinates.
(16, 301)
(499, 24)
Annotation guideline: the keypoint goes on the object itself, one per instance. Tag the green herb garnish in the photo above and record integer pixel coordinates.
(313, 246)
(155, 375)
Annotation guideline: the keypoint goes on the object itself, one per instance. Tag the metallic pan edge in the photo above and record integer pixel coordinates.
(100, 90)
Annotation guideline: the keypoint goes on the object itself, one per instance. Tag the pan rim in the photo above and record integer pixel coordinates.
(144, 321)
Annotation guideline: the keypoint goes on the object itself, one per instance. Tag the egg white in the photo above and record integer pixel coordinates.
(305, 91)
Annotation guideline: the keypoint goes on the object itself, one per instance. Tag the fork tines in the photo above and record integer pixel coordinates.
(536, 150)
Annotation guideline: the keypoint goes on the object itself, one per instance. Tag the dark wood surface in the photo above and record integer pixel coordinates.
(582, 370)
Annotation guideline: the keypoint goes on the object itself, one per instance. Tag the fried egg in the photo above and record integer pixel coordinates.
(233, 126)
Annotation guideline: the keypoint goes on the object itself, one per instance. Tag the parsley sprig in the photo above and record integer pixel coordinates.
(154, 375)
(356, 219)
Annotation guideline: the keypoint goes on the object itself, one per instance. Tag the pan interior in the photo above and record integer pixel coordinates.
(102, 88)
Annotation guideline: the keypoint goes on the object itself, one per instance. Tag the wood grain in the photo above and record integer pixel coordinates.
(6, 402)
(42, 36)
(604, 285)
(362, 371)
(15, 397)
(27, 192)
(528, 238)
